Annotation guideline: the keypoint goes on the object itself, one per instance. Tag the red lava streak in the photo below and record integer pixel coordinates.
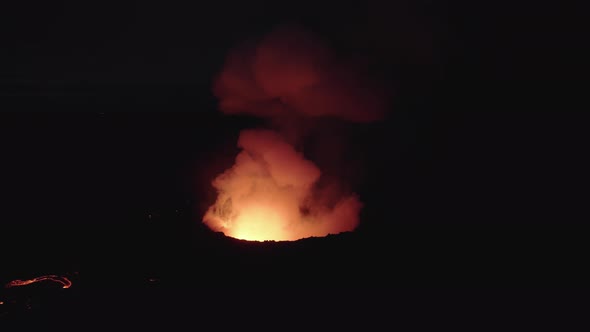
(64, 281)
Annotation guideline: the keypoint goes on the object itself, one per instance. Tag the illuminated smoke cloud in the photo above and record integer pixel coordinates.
(272, 192)
(290, 71)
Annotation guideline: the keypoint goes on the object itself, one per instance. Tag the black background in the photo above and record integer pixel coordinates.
(110, 136)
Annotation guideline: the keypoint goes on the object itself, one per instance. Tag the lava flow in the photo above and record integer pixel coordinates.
(273, 191)
(64, 281)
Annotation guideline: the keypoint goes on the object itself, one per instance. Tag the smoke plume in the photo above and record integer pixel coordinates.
(273, 191)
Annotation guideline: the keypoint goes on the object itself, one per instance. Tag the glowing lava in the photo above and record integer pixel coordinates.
(64, 281)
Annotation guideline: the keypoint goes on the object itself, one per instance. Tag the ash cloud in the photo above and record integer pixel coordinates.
(273, 191)
(290, 72)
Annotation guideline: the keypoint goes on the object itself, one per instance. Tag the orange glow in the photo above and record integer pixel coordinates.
(258, 223)
(64, 281)
(267, 195)
(273, 192)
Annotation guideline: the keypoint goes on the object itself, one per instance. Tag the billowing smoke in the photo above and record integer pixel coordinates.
(273, 192)
(289, 71)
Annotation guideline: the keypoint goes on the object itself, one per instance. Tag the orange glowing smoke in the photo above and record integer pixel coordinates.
(64, 281)
(271, 193)
(265, 195)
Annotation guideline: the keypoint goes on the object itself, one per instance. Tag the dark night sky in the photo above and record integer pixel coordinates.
(181, 45)
(107, 116)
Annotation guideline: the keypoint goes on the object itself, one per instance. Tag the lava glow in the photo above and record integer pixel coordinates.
(259, 223)
(267, 195)
(273, 191)
(64, 281)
